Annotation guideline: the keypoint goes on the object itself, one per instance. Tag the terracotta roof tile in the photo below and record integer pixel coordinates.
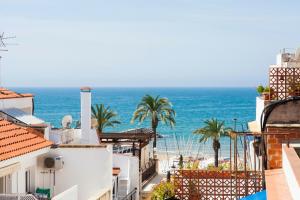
(16, 140)
(8, 94)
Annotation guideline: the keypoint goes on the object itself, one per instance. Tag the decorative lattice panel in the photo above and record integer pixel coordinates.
(216, 185)
(284, 82)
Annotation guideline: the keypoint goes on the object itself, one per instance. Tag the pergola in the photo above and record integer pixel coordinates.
(136, 139)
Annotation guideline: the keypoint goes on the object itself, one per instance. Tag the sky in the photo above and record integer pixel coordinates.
(157, 43)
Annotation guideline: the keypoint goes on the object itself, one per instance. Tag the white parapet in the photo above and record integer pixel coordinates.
(69, 194)
(85, 101)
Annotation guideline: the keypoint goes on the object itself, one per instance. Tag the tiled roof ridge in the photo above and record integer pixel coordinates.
(9, 94)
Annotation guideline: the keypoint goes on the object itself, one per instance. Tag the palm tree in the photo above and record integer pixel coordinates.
(105, 117)
(157, 110)
(213, 129)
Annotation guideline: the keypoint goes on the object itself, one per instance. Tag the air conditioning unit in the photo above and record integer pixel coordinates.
(56, 163)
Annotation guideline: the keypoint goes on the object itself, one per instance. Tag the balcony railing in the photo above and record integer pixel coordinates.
(149, 170)
(17, 197)
(209, 184)
(131, 195)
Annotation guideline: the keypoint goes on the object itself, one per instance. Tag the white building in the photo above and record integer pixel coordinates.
(30, 163)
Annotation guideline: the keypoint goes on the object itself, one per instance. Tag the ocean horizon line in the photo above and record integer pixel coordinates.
(134, 87)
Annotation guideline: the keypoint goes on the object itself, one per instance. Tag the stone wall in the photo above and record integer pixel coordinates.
(274, 143)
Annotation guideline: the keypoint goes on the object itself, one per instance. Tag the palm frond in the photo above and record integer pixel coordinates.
(156, 109)
(104, 116)
(213, 128)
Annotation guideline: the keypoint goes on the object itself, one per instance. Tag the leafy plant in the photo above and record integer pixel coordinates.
(104, 116)
(222, 166)
(195, 165)
(164, 190)
(260, 89)
(188, 165)
(267, 89)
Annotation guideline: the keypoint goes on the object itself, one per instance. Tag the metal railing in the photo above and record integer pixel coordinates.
(17, 197)
(131, 195)
(149, 170)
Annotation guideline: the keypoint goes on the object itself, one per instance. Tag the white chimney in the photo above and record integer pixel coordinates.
(86, 114)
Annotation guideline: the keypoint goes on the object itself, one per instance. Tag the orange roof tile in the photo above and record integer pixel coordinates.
(8, 94)
(16, 140)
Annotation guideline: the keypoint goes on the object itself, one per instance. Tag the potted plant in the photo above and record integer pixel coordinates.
(266, 93)
(260, 89)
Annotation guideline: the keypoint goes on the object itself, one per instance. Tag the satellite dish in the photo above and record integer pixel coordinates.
(297, 55)
(67, 121)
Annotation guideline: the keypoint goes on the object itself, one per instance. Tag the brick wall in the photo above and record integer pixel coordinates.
(274, 143)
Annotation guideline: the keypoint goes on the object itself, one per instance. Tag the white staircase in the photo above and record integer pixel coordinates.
(123, 188)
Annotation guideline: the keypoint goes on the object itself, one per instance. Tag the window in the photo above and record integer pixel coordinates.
(27, 181)
(5, 184)
(2, 185)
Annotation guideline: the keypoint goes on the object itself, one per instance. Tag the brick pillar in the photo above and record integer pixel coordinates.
(274, 143)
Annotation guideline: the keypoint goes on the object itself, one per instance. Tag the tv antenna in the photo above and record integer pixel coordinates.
(3, 45)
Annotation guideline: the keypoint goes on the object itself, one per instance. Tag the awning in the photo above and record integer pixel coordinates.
(23, 116)
(257, 196)
(9, 169)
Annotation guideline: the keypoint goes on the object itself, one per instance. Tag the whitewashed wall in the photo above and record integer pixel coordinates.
(69, 194)
(289, 156)
(129, 166)
(260, 105)
(27, 161)
(89, 168)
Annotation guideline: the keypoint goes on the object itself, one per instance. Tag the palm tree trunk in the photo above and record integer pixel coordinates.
(216, 146)
(155, 137)
(99, 135)
(216, 157)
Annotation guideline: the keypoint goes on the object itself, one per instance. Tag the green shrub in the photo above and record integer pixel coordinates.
(163, 190)
(267, 89)
(222, 166)
(260, 89)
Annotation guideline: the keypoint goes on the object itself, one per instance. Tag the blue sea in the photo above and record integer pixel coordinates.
(192, 105)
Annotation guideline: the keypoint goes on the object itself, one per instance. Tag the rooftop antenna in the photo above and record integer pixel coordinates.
(3, 45)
